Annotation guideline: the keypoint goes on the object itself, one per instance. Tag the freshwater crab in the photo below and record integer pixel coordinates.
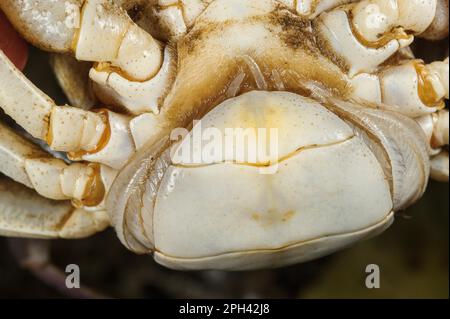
(362, 125)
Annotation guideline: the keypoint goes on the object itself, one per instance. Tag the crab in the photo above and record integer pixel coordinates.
(361, 125)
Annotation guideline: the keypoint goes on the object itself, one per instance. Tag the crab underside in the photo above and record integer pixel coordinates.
(360, 124)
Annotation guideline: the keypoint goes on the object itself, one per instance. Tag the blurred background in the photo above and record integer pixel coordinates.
(413, 254)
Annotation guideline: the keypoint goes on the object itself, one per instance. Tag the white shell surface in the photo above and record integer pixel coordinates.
(259, 259)
(299, 123)
(209, 211)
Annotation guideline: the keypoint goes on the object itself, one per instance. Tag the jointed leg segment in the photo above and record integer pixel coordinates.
(88, 135)
(23, 213)
(84, 184)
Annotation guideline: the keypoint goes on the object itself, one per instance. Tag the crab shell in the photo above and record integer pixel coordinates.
(333, 185)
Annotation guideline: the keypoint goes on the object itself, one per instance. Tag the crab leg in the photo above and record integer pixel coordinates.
(145, 67)
(440, 167)
(436, 128)
(418, 91)
(174, 17)
(94, 30)
(361, 36)
(411, 87)
(98, 31)
(101, 137)
(84, 184)
(23, 213)
(137, 97)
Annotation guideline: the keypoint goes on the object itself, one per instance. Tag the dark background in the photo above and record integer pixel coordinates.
(413, 254)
